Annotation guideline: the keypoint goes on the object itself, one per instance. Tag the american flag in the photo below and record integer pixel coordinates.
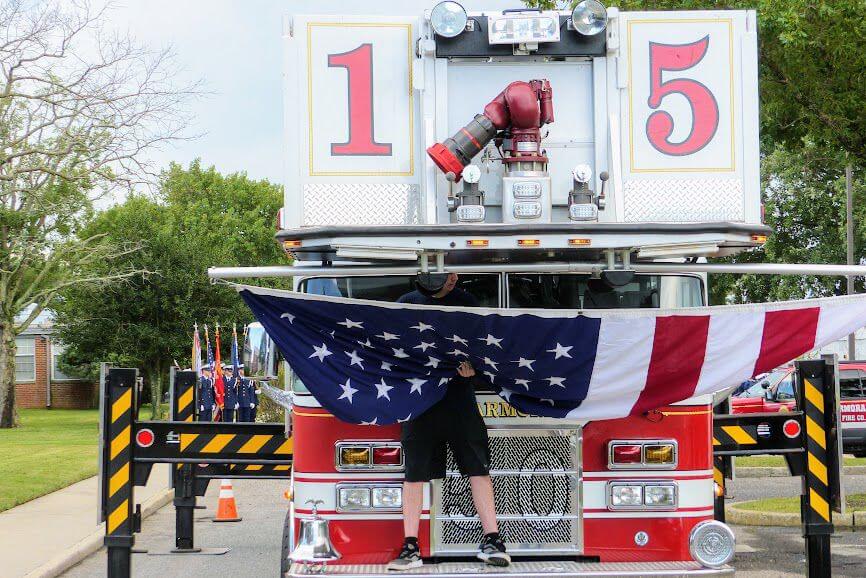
(379, 363)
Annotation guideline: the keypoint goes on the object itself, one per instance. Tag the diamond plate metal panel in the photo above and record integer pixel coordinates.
(361, 204)
(536, 485)
(683, 200)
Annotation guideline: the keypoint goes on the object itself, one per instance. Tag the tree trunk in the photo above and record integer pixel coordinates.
(8, 415)
(156, 394)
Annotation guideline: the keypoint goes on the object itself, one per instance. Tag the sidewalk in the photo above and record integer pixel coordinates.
(43, 529)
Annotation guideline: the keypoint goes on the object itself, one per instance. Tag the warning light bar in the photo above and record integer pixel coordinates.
(579, 242)
(759, 238)
(477, 242)
(291, 244)
(528, 242)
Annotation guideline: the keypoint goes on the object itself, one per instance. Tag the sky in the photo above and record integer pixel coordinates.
(235, 48)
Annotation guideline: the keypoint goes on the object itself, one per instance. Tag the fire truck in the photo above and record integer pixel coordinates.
(572, 159)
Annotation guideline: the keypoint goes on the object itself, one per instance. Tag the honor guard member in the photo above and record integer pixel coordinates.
(205, 395)
(254, 395)
(245, 399)
(230, 401)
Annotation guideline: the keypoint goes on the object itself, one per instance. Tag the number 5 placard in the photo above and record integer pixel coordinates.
(681, 96)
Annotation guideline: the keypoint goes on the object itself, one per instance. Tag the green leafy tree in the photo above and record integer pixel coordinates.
(79, 109)
(199, 219)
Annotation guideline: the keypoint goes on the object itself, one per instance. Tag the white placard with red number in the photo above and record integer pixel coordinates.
(689, 116)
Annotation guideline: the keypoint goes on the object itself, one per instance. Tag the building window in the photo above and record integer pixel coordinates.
(25, 359)
(56, 353)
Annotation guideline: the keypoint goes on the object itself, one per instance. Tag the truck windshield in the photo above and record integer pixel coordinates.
(577, 291)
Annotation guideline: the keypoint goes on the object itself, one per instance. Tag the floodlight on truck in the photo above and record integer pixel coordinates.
(448, 19)
(589, 17)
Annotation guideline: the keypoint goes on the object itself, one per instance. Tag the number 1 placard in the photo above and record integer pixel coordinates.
(681, 105)
(359, 99)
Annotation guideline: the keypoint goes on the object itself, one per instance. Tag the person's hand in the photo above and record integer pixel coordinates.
(465, 369)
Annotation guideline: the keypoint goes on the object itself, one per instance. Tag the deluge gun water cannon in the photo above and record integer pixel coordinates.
(515, 115)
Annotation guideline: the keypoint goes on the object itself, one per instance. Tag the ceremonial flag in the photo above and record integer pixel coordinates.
(219, 384)
(196, 352)
(379, 363)
(235, 362)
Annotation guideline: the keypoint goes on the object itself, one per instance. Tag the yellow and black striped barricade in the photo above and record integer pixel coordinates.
(749, 434)
(183, 388)
(822, 489)
(118, 405)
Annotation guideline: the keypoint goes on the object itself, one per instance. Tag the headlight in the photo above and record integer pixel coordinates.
(527, 210)
(509, 29)
(448, 19)
(622, 496)
(527, 190)
(712, 543)
(589, 17)
(387, 497)
(470, 213)
(354, 498)
(582, 212)
(661, 496)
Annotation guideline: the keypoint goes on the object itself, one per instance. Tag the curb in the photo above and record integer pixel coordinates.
(854, 521)
(94, 542)
(782, 472)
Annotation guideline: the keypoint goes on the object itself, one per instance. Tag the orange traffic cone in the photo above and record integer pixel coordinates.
(227, 510)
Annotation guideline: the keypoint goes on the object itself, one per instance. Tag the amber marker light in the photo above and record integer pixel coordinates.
(477, 242)
(354, 456)
(291, 244)
(759, 238)
(528, 242)
(579, 242)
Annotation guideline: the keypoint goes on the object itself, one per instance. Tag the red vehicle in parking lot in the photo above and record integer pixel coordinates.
(776, 392)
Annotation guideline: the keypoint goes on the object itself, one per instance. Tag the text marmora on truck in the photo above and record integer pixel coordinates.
(629, 144)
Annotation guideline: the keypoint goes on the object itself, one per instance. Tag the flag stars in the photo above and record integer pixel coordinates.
(443, 381)
(458, 353)
(399, 353)
(366, 344)
(387, 366)
(349, 324)
(405, 419)
(491, 363)
(523, 382)
(432, 362)
(561, 351)
(524, 363)
(422, 327)
(320, 352)
(491, 376)
(416, 385)
(288, 316)
(490, 340)
(457, 339)
(557, 381)
(354, 359)
(388, 336)
(348, 390)
(424, 346)
(382, 390)
(375, 421)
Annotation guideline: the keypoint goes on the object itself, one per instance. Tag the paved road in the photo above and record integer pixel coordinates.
(746, 489)
(255, 542)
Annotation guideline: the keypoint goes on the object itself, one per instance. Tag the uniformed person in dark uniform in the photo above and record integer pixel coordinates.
(206, 398)
(254, 398)
(230, 400)
(245, 399)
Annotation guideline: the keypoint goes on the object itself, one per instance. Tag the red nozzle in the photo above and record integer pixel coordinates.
(446, 160)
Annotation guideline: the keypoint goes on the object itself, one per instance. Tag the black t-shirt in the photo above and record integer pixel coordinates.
(455, 298)
(456, 414)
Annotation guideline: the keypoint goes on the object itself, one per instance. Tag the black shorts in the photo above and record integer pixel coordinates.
(454, 421)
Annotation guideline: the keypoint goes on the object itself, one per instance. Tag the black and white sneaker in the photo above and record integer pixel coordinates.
(409, 557)
(492, 550)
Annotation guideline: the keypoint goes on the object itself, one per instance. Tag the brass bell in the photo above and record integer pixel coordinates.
(314, 541)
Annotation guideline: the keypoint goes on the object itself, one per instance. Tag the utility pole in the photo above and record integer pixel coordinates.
(849, 240)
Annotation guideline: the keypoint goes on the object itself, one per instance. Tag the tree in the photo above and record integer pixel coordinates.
(79, 107)
(198, 219)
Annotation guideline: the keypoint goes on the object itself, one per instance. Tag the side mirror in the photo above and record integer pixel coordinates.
(259, 353)
(765, 384)
(768, 395)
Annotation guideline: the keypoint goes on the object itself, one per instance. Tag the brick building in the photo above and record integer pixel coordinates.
(39, 383)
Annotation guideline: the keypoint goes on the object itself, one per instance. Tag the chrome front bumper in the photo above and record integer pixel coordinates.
(518, 570)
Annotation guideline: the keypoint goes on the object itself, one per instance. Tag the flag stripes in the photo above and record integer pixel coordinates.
(816, 452)
(241, 444)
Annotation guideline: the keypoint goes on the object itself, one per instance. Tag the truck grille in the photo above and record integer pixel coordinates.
(536, 482)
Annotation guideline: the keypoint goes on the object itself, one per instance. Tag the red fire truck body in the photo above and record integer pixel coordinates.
(648, 159)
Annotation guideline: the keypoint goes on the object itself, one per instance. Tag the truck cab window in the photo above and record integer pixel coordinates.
(580, 291)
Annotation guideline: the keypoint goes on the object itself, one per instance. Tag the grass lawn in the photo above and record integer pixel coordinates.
(855, 502)
(52, 449)
(779, 461)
